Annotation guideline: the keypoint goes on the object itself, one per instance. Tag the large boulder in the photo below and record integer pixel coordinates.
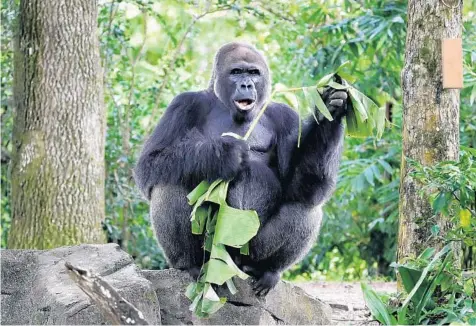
(36, 288)
(285, 304)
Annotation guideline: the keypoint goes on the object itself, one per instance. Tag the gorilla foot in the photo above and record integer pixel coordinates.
(265, 283)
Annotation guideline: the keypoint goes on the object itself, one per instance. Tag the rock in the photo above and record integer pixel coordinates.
(286, 304)
(36, 288)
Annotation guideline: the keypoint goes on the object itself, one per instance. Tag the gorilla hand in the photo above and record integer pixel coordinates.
(235, 156)
(263, 282)
(337, 101)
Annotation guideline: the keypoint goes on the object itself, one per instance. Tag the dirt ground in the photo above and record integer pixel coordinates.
(346, 299)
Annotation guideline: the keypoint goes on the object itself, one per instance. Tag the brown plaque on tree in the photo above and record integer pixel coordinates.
(452, 55)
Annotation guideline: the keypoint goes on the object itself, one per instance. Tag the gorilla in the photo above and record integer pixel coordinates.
(285, 184)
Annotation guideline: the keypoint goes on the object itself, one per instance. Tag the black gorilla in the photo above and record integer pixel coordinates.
(285, 184)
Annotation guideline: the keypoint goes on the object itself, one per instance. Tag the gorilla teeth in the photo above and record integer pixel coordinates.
(244, 103)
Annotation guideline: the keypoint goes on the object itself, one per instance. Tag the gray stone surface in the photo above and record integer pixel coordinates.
(36, 288)
(286, 304)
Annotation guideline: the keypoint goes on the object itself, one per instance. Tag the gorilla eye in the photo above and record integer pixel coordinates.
(236, 71)
(253, 72)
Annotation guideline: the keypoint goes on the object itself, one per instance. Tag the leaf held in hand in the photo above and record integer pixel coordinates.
(235, 227)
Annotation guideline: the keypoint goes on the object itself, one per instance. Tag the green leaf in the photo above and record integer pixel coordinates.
(325, 80)
(219, 252)
(376, 306)
(357, 99)
(191, 291)
(410, 278)
(369, 175)
(440, 202)
(217, 272)
(291, 99)
(316, 101)
(386, 166)
(231, 286)
(235, 227)
(195, 303)
(218, 194)
(197, 192)
(245, 250)
(427, 254)
(425, 271)
(309, 102)
(198, 223)
(343, 66)
(335, 85)
(211, 302)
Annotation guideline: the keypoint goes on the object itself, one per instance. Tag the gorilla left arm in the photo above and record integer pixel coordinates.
(310, 171)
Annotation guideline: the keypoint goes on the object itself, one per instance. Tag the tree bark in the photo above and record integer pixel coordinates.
(430, 117)
(59, 129)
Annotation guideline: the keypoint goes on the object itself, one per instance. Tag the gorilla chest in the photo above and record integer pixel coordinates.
(261, 141)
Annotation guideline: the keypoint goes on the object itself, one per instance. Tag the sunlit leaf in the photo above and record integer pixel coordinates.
(231, 286)
(357, 103)
(465, 218)
(376, 306)
(235, 227)
(325, 80)
(315, 99)
(219, 252)
(218, 194)
(197, 192)
(211, 302)
(198, 222)
(217, 272)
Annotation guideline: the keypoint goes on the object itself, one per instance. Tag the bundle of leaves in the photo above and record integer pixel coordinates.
(223, 225)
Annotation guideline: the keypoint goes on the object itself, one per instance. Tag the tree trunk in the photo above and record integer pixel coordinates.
(59, 131)
(430, 117)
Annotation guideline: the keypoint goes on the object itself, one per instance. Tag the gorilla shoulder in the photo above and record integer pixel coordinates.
(191, 102)
(283, 117)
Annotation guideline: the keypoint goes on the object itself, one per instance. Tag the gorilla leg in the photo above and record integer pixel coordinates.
(283, 240)
(170, 216)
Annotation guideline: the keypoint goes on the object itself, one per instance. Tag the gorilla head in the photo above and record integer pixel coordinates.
(241, 79)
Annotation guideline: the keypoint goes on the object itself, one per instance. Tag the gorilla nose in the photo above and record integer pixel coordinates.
(246, 86)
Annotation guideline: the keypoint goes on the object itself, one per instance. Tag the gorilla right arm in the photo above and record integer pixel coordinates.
(178, 153)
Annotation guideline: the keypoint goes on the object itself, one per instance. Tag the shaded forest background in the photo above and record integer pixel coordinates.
(151, 51)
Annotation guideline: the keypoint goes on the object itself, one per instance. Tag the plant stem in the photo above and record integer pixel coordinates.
(263, 109)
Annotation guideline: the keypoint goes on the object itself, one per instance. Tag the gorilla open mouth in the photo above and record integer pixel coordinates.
(244, 104)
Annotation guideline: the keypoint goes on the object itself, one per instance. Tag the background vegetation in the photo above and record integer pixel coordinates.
(152, 50)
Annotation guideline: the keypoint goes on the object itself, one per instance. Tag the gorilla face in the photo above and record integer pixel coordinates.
(241, 79)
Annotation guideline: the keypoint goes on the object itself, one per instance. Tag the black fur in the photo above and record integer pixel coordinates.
(285, 184)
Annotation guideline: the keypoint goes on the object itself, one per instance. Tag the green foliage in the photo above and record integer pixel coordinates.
(452, 189)
(438, 290)
(153, 50)
(436, 293)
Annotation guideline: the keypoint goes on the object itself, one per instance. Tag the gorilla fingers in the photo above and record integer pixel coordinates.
(336, 103)
(235, 157)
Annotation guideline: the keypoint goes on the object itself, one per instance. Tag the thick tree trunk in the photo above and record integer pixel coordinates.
(58, 162)
(430, 116)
